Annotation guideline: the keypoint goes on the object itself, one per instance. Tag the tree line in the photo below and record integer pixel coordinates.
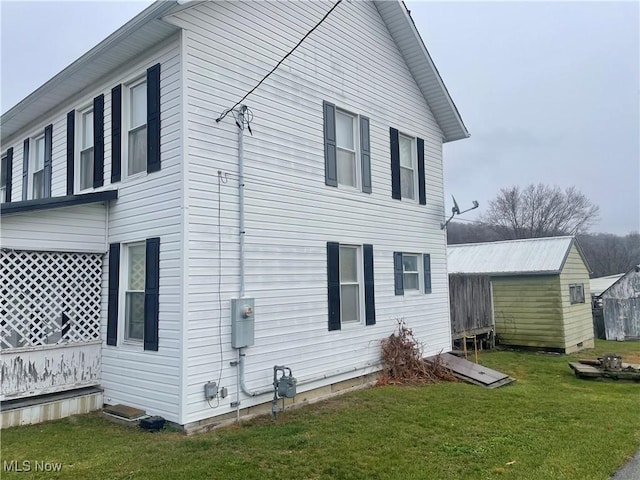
(544, 211)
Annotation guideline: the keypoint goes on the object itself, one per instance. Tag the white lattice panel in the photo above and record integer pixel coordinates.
(49, 297)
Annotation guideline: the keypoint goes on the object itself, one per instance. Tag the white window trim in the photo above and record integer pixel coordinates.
(3, 187)
(361, 299)
(356, 151)
(420, 272)
(78, 150)
(125, 124)
(414, 168)
(122, 295)
(32, 162)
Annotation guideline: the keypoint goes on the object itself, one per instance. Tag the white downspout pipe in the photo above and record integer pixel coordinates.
(240, 355)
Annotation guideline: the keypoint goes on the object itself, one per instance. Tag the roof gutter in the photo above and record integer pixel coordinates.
(155, 10)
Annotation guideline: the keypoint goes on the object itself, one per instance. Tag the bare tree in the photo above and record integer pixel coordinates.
(608, 254)
(540, 211)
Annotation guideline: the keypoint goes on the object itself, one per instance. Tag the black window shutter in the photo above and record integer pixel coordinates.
(365, 153)
(151, 294)
(98, 141)
(114, 286)
(48, 157)
(422, 190)
(395, 163)
(9, 175)
(71, 126)
(330, 159)
(333, 280)
(153, 118)
(116, 139)
(369, 294)
(427, 272)
(397, 273)
(25, 169)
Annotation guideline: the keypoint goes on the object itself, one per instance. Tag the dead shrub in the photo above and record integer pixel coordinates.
(403, 362)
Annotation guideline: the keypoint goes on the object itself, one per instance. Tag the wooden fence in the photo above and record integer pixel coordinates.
(471, 305)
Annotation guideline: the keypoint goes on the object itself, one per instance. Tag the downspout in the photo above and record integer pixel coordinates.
(240, 360)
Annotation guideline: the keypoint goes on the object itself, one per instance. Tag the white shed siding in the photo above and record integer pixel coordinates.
(72, 229)
(350, 60)
(150, 206)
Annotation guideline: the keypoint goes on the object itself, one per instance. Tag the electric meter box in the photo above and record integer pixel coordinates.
(242, 322)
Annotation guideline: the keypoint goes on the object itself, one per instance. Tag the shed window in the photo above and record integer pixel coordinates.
(576, 293)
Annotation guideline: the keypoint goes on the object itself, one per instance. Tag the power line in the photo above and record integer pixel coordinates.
(226, 112)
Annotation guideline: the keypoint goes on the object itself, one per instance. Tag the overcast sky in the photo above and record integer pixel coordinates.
(549, 91)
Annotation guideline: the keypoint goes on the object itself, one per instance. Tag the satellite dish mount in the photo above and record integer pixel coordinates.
(455, 210)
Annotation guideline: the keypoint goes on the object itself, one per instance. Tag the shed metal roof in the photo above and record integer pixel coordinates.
(535, 256)
(597, 286)
(148, 29)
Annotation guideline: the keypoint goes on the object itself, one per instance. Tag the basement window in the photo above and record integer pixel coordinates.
(576, 293)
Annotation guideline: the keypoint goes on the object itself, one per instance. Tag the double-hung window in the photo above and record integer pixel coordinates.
(37, 169)
(86, 150)
(134, 291)
(576, 293)
(350, 284)
(346, 147)
(350, 278)
(411, 272)
(137, 128)
(4, 175)
(407, 167)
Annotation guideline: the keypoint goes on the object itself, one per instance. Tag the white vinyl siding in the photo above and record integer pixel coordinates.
(289, 212)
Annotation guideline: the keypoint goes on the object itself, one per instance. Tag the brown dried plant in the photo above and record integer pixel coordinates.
(403, 362)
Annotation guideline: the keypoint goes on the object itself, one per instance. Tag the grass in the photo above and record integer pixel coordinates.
(549, 425)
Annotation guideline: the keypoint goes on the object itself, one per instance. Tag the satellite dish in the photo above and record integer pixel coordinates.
(455, 210)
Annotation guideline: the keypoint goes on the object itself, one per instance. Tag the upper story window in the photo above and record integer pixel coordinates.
(347, 151)
(407, 167)
(4, 175)
(346, 145)
(36, 168)
(137, 128)
(86, 150)
(408, 178)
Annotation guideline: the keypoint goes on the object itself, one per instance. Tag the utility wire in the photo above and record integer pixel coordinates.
(226, 112)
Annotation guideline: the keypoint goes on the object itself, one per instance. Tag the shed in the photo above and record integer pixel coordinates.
(621, 307)
(540, 290)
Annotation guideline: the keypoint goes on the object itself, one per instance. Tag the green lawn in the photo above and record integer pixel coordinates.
(549, 425)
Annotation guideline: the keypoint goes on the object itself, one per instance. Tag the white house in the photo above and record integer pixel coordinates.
(133, 220)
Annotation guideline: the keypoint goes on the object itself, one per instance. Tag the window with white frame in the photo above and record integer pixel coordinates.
(85, 178)
(346, 148)
(411, 271)
(350, 284)
(407, 167)
(134, 284)
(36, 167)
(137, 128)
(576, 293)
(3, 179)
